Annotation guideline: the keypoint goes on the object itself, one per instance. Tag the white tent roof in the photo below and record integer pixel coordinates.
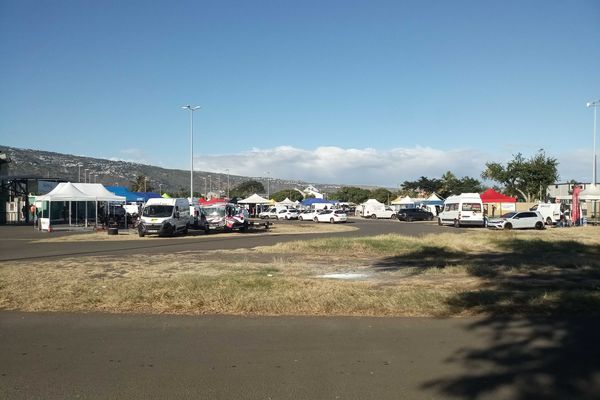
(98, 191)
(255, 199)
(404, 200)
(80, 192)
(65, 192)
(434, 197)
(592, 192)
(372, 201)
(286, 202)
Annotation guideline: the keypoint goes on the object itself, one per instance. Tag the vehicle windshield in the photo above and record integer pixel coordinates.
(508, 215)
(213, 211)
(158, 211)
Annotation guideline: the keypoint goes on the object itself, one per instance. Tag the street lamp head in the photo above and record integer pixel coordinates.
(593, 103)
(190, 107)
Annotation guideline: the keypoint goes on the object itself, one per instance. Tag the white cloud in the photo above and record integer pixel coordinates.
(347, 166)
(132, 155)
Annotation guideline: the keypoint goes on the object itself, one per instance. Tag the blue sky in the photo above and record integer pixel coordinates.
(354, 92)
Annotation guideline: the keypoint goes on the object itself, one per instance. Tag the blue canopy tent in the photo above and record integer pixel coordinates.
(144, 196)
(310, 202)
(130, 197)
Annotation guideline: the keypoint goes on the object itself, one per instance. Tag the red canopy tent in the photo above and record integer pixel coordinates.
(204, 202)
(491, 196)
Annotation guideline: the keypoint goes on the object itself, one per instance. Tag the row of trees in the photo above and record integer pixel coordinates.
(525, 178)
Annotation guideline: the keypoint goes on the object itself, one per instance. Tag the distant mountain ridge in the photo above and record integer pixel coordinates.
(46, 164)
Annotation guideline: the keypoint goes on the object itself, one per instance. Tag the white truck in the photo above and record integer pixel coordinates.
(551, 212)
(464, 209)
(164, 217)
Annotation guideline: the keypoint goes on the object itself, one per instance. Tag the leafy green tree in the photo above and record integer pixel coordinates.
(451, 184)
(423, 184)
(140, 184)
(351, 194)
(381, 195)
(290, 194)
(526, 178)
(247, 188)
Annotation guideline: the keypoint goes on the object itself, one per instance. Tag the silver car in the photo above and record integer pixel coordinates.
(518, 220)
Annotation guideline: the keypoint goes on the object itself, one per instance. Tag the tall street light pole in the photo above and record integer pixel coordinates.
(205, 192)
(79, 173)
(191, 109)
(227, 182)
(595, 105)
(90, 177)
(268, 184)
(85, 175)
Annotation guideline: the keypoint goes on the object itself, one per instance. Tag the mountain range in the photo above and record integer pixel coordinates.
(72, 168)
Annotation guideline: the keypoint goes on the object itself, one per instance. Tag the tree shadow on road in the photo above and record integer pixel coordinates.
(538, 313)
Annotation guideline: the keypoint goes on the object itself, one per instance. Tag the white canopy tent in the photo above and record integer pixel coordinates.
(255, 200)
(287, 203)
(406, 200)
(77, 192)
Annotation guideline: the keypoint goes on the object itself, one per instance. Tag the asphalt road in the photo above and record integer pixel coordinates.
(16, 241)
(96, 356)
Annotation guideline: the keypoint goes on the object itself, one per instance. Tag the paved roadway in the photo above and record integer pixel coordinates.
(96, 356)
(15, 241)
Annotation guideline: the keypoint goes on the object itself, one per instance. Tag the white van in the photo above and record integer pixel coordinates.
(165, 217)
(464, 209)
(374, 209)
(550, 212)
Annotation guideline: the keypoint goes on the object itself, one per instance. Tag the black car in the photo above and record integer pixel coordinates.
(414, 214)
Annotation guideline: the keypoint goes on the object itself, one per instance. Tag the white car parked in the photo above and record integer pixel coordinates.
(290, 213)
(308, 215)
(332, 216)
(518, 220)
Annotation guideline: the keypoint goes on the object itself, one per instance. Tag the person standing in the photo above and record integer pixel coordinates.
(33, 213)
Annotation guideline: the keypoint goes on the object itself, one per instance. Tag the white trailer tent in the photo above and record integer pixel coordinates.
(77, 192)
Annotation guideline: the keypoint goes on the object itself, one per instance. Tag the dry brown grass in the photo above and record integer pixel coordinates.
(480, 271)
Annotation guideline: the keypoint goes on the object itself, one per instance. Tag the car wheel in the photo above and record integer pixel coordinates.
(315, 219)
(373, 216)
(548, 221)
(430, 218)
(409, 219)
(456, 223)
(393, 216)
(539, 225)
(301, 219)
(332, 221)
(508, 226)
